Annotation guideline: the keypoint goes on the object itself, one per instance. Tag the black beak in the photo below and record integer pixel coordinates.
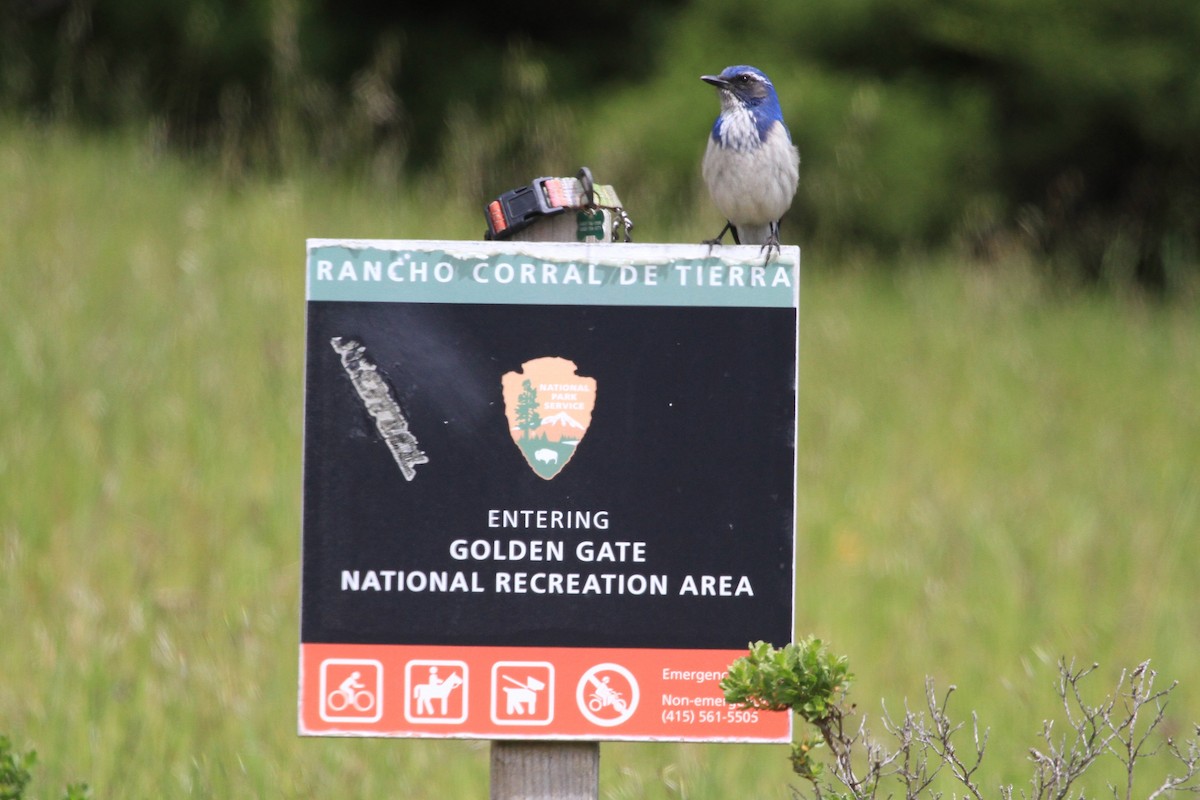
(716, 81)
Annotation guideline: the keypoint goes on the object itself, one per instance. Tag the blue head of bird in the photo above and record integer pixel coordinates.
(749, 106)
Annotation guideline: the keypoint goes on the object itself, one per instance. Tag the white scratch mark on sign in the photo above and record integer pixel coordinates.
(376, 396)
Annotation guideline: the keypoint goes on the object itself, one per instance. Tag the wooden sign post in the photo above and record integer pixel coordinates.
(545, 770)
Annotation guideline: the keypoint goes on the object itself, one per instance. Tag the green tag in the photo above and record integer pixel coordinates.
(589, 226)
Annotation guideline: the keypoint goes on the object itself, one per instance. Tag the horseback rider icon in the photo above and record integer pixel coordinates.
(436, 688)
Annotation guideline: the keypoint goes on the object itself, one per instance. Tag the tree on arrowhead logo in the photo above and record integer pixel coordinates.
(549, 409)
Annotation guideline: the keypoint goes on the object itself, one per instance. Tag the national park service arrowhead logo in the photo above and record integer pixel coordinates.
(549, 409)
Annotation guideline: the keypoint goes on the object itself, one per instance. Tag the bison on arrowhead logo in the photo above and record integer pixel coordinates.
(549, 409)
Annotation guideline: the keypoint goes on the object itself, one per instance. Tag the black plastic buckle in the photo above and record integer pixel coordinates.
(518, 208)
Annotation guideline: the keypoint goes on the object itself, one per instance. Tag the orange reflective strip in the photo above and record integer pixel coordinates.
(496, 214)
(555, 194)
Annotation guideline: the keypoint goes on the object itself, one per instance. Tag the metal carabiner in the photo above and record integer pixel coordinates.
(625, 221)
(589, 187)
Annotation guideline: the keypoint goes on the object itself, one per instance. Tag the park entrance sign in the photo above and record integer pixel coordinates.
(549, 488)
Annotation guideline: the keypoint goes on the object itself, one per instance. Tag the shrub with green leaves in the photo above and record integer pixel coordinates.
(803, 676)
(1123, 730)
(14, 770)
(15, 774)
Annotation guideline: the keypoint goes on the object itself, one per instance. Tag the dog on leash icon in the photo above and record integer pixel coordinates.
(522, 693)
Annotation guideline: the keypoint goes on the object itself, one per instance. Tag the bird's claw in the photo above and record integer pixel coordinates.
(771, 247)
(772, 250)
(720, 237)
(711, 244)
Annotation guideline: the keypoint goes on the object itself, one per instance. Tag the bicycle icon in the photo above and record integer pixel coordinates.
(351, 690)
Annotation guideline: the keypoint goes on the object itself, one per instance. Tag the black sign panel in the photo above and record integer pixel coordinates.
(685, 473)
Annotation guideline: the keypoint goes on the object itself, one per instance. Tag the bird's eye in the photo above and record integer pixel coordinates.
(744, 78)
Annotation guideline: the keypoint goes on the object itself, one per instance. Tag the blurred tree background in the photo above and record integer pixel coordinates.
(1064, 130)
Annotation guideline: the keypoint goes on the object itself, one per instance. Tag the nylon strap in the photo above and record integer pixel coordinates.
(521, 207)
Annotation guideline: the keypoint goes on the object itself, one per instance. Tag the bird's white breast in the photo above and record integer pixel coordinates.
(738, 129)
(751, 185)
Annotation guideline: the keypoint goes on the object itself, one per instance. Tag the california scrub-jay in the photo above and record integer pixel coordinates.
(751, 167)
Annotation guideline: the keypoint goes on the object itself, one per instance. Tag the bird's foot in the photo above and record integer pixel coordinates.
(721, 236)
(771, 247)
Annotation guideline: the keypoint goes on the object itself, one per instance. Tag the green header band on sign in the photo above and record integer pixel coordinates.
(553, 273)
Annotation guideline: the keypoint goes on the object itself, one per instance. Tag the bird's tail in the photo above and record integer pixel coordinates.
(753, 234)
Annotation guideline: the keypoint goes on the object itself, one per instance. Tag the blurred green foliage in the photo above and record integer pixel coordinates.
(1059, 128)
(992, 472)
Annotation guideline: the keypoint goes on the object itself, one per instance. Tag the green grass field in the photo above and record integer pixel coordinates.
(992, 474)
